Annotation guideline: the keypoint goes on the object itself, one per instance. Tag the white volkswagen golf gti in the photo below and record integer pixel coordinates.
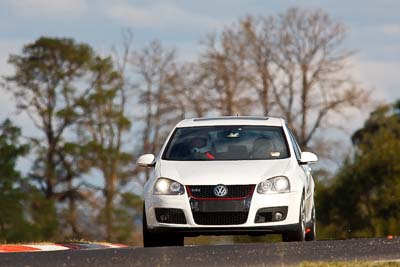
(225, 176)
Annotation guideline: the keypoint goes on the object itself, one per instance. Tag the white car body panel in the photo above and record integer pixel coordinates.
(232, 172)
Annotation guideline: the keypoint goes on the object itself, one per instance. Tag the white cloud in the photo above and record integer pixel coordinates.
(48, 9)
(391, 29)
(382, 76)
(158, 16)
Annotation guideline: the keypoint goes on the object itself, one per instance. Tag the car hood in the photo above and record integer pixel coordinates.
(222, 172)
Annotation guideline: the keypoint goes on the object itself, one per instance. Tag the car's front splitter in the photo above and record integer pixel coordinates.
(196, 231)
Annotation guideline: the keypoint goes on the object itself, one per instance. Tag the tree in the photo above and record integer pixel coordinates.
(259, 36)
(225, 76)
(293, 65)
(13, 222)
(101, 131)
(363, 199)
(48, 83)
(189, 92)
(384, 117)
(156, 69)
(313, 66)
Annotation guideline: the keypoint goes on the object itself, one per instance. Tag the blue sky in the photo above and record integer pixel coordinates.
(374, 29)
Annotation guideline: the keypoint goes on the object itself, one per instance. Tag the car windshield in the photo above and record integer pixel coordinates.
(227, 143)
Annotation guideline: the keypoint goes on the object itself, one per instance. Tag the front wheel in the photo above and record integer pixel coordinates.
(159, 240)
(300, 233)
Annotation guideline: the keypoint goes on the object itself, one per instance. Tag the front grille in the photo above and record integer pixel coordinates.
(207, 191)
(220, 218)
(170, 216)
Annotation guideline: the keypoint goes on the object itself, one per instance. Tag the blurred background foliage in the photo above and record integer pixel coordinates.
(363, 197)
(95, 114)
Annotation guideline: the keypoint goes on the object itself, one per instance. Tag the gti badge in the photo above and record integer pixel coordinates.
(220, 190)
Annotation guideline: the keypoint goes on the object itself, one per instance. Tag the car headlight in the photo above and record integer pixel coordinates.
(279, 184)
(165, 186)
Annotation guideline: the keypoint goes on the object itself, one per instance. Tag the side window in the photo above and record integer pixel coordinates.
(296, 147)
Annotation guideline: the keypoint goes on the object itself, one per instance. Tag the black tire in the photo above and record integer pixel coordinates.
(159, 240)
(299, 233)
(312, 235)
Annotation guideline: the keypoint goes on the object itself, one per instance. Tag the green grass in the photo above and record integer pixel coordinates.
(351, 264)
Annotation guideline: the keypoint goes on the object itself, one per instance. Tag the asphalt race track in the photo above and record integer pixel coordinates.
(242, 255)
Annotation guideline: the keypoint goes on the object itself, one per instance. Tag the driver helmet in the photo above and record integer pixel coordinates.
(199, 144)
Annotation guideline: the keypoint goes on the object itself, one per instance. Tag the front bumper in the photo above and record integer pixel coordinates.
(291, 200)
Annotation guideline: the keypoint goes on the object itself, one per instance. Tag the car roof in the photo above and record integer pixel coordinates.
(232, 120)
